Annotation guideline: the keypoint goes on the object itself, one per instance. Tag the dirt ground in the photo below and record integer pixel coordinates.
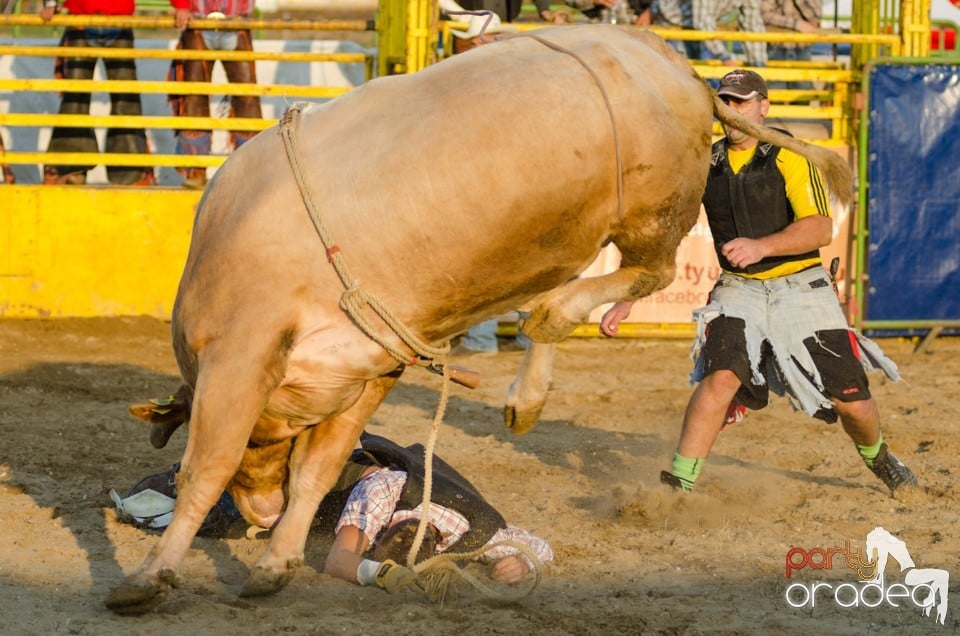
(632, 557)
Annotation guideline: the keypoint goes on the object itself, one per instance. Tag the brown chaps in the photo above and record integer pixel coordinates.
(197, 142)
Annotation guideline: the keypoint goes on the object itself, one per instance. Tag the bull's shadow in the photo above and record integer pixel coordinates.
(68, 439)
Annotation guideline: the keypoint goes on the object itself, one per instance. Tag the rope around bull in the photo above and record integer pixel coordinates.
(437, 571)
(606, 102)
(354, 297)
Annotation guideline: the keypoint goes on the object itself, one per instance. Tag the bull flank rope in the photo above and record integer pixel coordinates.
(435, 573)
(606, 102)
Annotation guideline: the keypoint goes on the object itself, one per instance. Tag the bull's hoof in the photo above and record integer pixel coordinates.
(263, 582)
(138, 594)
(520, 421)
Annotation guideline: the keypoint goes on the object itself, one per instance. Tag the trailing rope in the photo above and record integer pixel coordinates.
(437, 572)
(606, 102)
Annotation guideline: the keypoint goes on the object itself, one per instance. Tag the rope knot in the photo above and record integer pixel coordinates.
(354, 298)
(288, 116)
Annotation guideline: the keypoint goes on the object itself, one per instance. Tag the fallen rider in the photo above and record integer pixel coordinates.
(382, 484)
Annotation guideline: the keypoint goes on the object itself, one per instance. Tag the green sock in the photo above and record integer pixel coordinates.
(687, 470)
(869, 453)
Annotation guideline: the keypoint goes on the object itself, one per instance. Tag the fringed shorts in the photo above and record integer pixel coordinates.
(787, 335)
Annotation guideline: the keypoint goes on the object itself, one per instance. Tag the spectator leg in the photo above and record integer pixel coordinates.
(194, 142)
(247, 106)
(482, 336)
(133, 140)
(66, 139)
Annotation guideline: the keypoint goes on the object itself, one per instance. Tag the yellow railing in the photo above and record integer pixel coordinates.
(166, 22)
(831, 104)
(132, 242)
(150, 86)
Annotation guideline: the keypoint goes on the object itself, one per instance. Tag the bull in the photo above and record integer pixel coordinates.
(481, 184)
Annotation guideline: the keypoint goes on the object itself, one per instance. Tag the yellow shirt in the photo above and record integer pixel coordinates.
(805, 191)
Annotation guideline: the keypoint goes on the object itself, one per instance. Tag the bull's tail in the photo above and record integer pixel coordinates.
(837, 173)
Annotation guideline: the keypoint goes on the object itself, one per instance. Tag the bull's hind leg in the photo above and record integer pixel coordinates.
(231, 390)
(561, 310)
(528, 392)
(648, 244)
(318, 456)
(557, 314)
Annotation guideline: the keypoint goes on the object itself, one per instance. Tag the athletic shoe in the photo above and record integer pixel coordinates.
(673, 481)
(891, 470)
(735, 413)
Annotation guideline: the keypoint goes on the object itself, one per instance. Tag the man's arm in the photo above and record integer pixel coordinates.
(181, 14)
(346, 554)
(801, 236)
(773, 16)
(49, 9)
(345, 561)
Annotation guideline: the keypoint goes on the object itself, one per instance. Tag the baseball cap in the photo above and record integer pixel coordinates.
(742, 84)
(488, 24)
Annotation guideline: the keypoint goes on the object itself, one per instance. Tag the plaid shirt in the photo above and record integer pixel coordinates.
(785, 15)
(372, 506)
(677, 13)
(707, 12)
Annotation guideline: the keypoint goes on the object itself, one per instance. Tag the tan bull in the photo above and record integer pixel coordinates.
(479, 185)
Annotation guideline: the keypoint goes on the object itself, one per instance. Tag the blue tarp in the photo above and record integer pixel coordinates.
(914, 195)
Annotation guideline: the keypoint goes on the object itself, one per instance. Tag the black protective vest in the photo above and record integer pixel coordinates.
(751, 204)
(450, 489)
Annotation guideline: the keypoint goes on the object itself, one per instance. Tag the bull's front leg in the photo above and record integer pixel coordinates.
(231, 389)
(317, 459)
(563, 309)
(201, 480)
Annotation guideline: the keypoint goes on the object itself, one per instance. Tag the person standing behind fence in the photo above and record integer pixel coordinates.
(70, 139)
(706, 16)
(797, 16)
(676, 14)
(509, 10)
(610, 10)
(198, 142)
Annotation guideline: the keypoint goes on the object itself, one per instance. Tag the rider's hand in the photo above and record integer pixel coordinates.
(394, 577)
(509, 569)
